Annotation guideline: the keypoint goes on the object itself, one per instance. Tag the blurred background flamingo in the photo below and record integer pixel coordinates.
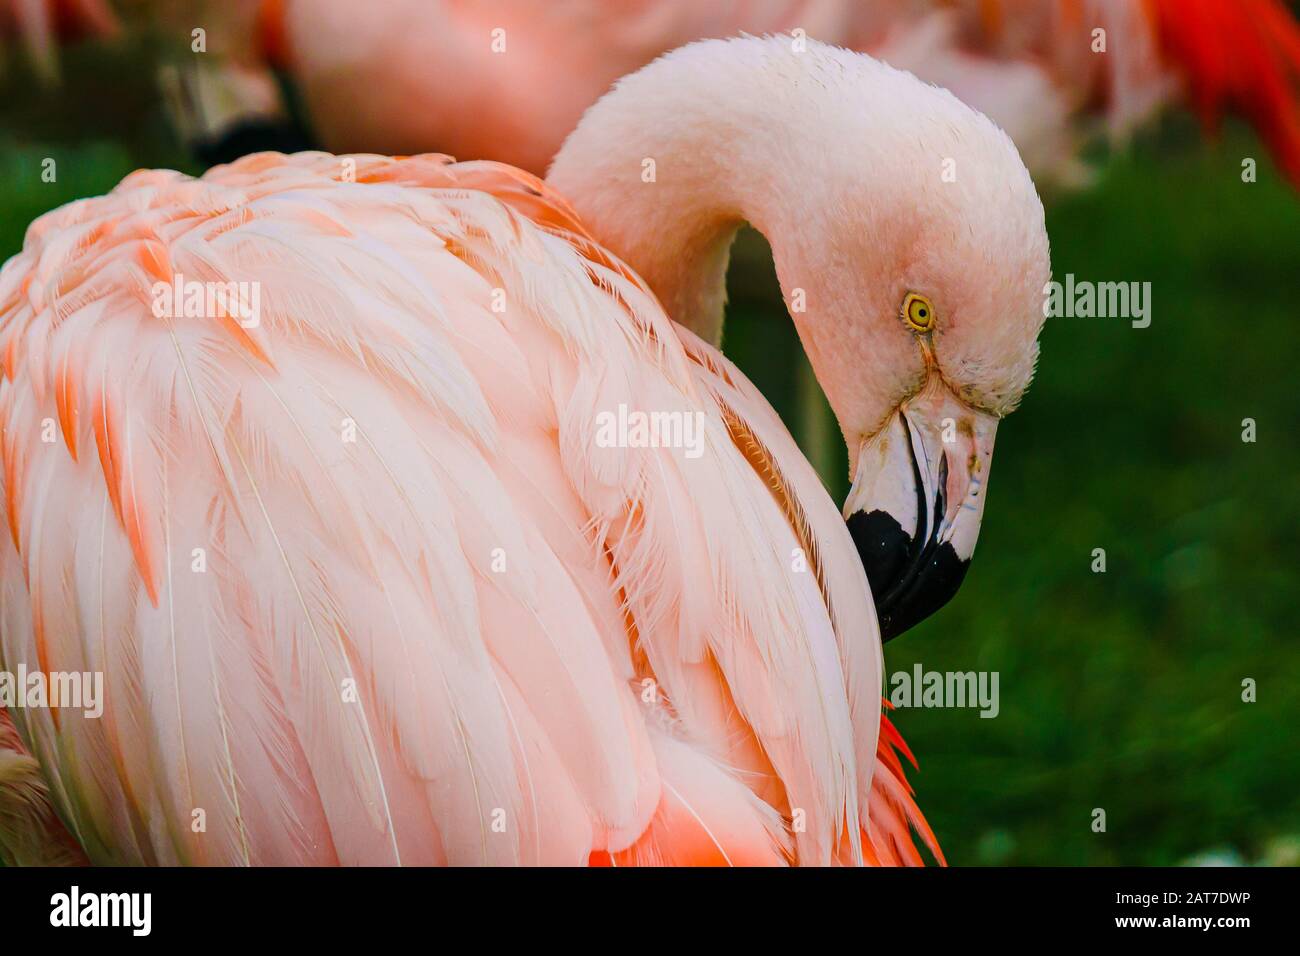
(508, 81)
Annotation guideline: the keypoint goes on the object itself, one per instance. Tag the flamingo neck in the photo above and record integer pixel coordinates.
(665, 170)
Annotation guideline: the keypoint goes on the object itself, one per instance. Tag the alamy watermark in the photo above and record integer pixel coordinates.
(191, 299)
(1102, 300)
(945, 689)
(637, 429)
(133, 911)
(80, 690)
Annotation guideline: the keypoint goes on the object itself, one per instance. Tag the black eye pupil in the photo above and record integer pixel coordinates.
(921, 313)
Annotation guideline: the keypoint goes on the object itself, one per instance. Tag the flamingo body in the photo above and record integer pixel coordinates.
(363, 587)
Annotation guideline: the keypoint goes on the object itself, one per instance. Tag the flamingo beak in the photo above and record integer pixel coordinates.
(915, 506)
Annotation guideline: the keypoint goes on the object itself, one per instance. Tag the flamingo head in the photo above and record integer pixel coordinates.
(935, 290)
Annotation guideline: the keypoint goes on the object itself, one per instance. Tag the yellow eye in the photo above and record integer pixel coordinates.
(917, 312)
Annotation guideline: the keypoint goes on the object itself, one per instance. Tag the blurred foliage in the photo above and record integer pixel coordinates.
(1119, 690)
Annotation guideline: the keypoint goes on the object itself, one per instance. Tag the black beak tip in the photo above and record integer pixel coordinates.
(907, 584)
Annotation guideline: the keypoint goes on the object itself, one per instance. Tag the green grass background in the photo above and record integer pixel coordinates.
(1121, 690)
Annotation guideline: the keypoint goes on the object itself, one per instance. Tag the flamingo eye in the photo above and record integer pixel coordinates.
(917, 312)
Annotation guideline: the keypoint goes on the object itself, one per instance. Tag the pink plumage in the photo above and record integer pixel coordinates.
(349, 679)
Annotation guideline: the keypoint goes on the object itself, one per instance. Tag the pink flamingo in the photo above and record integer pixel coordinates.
(508, 81)
(366, 584)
